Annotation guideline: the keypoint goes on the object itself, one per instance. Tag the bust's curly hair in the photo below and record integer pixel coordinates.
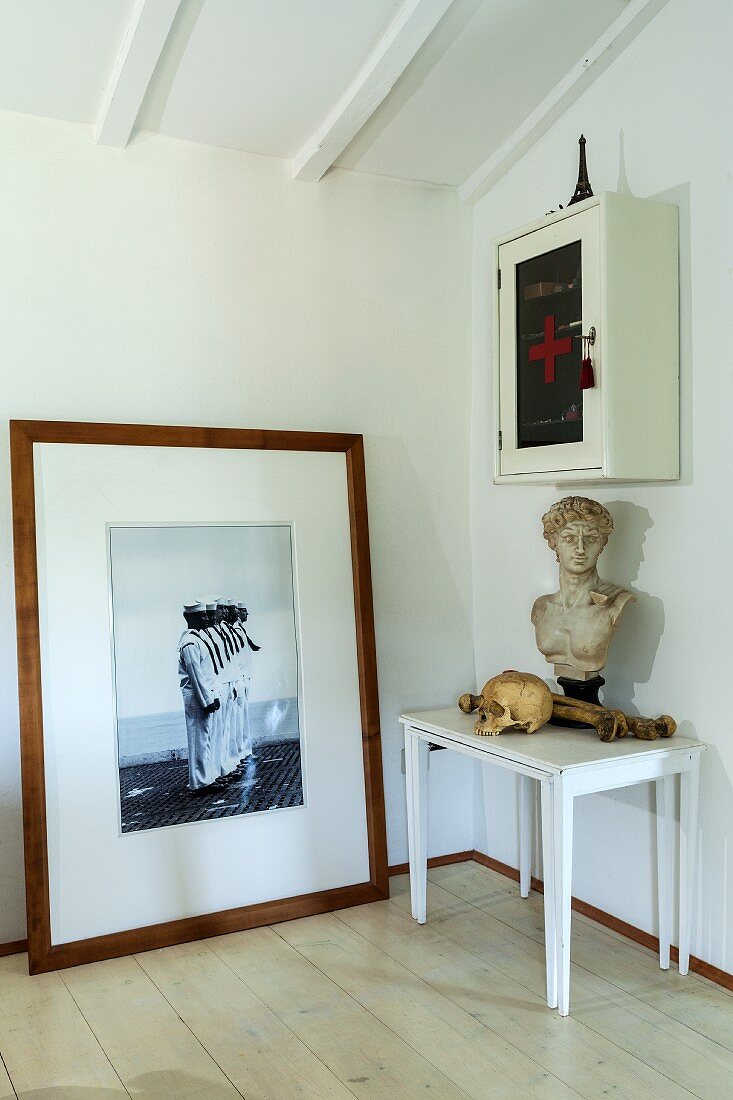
(574, 509)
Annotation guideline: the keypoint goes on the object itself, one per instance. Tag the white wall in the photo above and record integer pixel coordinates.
(657, 124)
(175, 283)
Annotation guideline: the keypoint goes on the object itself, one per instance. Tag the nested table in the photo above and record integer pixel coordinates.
(566, 763)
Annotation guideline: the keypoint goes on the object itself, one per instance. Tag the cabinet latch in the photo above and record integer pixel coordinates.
(498, 279)
(499, 440)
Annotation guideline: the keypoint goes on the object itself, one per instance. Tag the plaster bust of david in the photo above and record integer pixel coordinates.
(574, 625)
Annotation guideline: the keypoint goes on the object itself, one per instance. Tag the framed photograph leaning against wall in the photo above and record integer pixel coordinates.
(198, 696)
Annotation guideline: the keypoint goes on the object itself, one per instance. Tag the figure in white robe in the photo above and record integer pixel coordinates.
(235, 689)
(246, 666)
(197, 675)
(243, 740)
(219, 731)
(229, 695)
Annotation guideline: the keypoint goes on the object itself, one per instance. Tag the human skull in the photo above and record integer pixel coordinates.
(513, 700)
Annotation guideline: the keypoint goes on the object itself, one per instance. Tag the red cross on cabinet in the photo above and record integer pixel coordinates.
(550, 349)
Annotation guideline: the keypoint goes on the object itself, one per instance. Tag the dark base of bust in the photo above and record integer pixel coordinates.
(584, 690)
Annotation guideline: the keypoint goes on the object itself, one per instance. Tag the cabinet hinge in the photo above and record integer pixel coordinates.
(498, 279)
(499, 440)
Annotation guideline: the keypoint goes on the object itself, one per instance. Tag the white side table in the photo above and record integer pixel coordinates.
(567, 763)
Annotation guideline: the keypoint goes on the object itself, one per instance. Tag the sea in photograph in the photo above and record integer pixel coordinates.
(150, 738)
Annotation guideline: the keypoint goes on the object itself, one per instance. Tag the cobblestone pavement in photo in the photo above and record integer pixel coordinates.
(156, 795)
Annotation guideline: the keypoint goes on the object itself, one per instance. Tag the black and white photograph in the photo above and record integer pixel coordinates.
(206, 672)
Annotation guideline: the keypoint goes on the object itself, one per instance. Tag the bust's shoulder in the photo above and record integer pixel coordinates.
(541, 603)
(606, 591)
(612, 597)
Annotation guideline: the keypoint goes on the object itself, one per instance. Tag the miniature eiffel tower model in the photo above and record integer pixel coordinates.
(583, 188)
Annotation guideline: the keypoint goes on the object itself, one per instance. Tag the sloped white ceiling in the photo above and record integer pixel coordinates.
(262, 75)
(56, 55)
(486, 66)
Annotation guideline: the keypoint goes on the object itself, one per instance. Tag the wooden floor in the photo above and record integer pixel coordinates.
(366, 1003)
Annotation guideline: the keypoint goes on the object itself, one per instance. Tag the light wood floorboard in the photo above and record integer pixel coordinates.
(452, 1040)
(691, 1000)
(362, 1052)
(680, 1052)
(6, 1089)
(589, 1063)
(367, 1003)
(45, 1042)
(150, 1047)
(258, 1053)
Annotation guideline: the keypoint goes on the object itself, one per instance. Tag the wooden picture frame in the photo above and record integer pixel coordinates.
(45, 955)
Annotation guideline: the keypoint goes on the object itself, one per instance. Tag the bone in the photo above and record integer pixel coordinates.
(670, 726)
(649, 729)
(609, 723)
(622, 725)
(603, 721)
(644, 729)
(568, 701)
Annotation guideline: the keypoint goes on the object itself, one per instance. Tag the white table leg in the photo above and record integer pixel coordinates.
(548, 872)
(416, 771)
(488, 778)
(525, 835)
(689, 787)
(563, 841)
(665, 847)
(409, 798)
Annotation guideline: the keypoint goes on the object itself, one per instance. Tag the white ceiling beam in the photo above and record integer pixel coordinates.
(415, 20)
(140, 52)
(621, 33)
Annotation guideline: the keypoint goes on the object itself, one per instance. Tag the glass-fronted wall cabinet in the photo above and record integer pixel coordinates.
(597, 281)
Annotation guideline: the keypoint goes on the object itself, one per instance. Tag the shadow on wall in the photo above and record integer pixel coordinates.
(623, 186)
(12, 902)
(425, 601)
(634, 647)
(678, 196)
(712, 927)
(421, 577)
(712, 923)
(633, 654)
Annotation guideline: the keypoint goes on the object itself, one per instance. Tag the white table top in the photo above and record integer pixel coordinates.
(551, 748)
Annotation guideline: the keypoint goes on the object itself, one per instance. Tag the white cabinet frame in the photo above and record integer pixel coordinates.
(631, 421)
(588, 453)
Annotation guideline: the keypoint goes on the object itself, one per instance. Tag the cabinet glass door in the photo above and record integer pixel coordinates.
(549, 297)
(549, 308)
